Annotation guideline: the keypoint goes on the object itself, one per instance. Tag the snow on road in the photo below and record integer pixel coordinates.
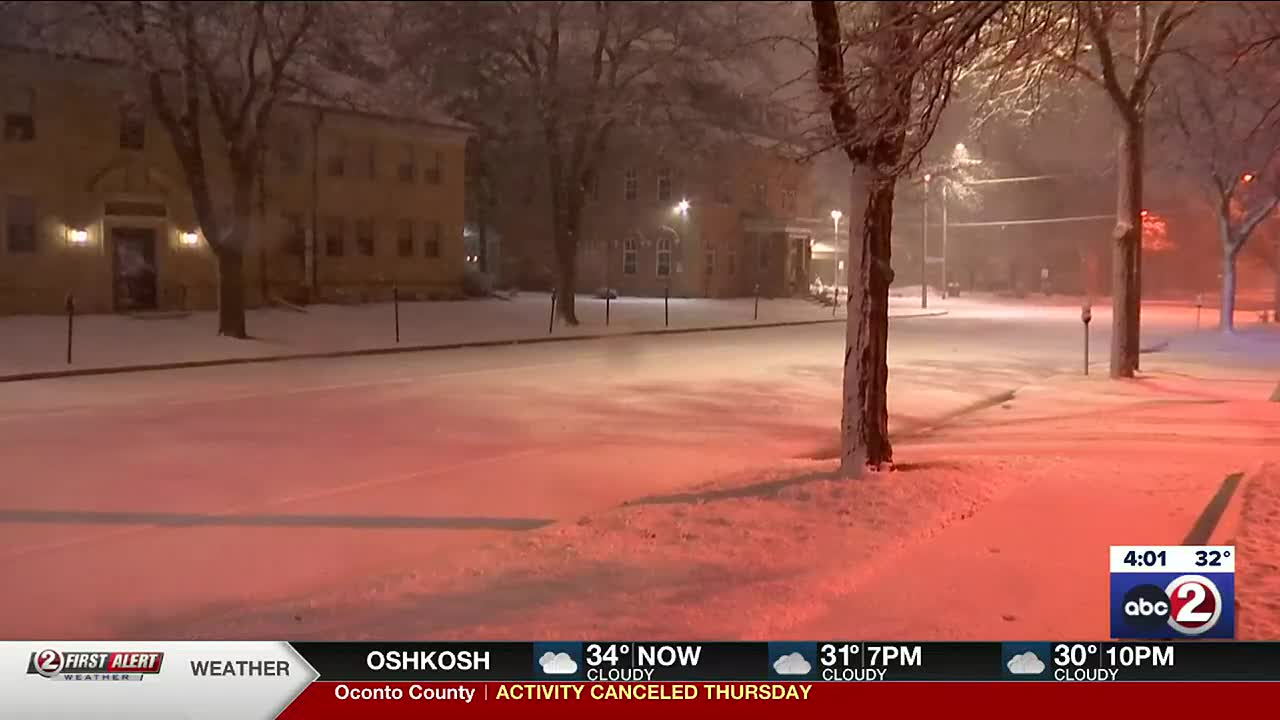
(475, 493)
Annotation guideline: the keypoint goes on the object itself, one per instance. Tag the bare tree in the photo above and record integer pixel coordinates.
(1115, 46)
(235, 61)
(564, 79)
(1223, 123)
(886, 70)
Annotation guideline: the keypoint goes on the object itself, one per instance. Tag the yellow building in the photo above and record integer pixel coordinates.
(93, 200)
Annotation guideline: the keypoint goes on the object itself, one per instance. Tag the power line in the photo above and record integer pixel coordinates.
(1041, 221)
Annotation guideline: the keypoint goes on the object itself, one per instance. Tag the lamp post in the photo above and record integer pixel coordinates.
(946, 288)
(924, 246)
(835, 253)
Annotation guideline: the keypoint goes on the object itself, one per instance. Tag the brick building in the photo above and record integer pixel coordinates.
(93, 200)
(749, 220)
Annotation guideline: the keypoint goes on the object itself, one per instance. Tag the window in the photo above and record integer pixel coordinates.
(664, 184)
(404, 238)
(290, 151)
(364, 237)
(334, 230)
(629, 256)
(664, 255)
(20, 224)
(19, 114)
(133, 126)
(371, 160)
(709, 262)
(731, 263)
(407, 170)
(789, 200)
(295, 234)
(724, 192)
(433, 173)
(336, 164)
(760, 194)
(432, 243)
(630, 184)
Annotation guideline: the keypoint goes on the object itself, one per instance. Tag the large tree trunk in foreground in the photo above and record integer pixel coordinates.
(864, 424)
(1126, 262)
(1226, 318)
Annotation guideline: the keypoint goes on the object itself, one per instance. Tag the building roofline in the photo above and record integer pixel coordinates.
(452, 125)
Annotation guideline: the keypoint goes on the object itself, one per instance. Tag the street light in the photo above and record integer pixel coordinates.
(924, 246)
(835, 251)
(682, 207)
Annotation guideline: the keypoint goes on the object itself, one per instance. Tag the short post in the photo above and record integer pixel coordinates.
(1086, 314)
(71, 314)
(1199, 304)
(835, 300)
(395, 302)
(666, 307)
(757, 310)
(551, 323)
(608, 298)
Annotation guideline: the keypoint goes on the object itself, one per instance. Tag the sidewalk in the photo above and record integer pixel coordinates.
(37, 344)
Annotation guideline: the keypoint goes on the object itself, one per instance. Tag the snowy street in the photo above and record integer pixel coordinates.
(476, 491)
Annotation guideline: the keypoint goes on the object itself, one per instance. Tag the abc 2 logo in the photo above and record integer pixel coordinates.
(1172, 606)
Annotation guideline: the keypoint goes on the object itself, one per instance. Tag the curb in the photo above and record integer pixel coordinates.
(394, 350)
(1213, 512)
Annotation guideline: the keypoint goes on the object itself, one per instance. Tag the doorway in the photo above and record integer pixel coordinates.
(133, 268)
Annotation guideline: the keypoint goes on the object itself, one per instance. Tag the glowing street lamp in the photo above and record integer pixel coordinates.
(1248, 177)
(682, 207)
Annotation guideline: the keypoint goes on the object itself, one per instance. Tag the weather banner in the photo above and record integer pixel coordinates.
(207, 680)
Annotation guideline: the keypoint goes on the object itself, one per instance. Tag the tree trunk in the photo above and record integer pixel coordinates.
(1126, 264)
(1226, 318)
(864, 424)
(231, 293)
(230, 252)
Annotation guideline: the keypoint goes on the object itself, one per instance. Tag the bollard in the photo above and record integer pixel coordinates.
(608, 297)
(552, 322)
(666, 309)
(395, 302)
(835, 301)
(1086, 314)
(757, 311)
(71, 314)
(1199, 304)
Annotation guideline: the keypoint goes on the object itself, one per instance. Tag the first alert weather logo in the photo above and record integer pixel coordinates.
(90, 665)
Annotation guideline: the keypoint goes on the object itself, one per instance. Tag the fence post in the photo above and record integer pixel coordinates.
(395, 302)
(666, 311)
(71, 314)
(1086, 314)
(756, 315)
(835, 300)
(608, 298)
(551, 323)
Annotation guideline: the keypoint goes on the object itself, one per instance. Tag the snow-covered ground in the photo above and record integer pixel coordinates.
(659, 486)
(37, 343)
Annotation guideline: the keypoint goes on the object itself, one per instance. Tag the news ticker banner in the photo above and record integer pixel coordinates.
(260, 679)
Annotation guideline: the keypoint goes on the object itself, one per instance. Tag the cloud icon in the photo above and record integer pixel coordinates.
(792, 664)
(1026, 664)
(557, 663)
